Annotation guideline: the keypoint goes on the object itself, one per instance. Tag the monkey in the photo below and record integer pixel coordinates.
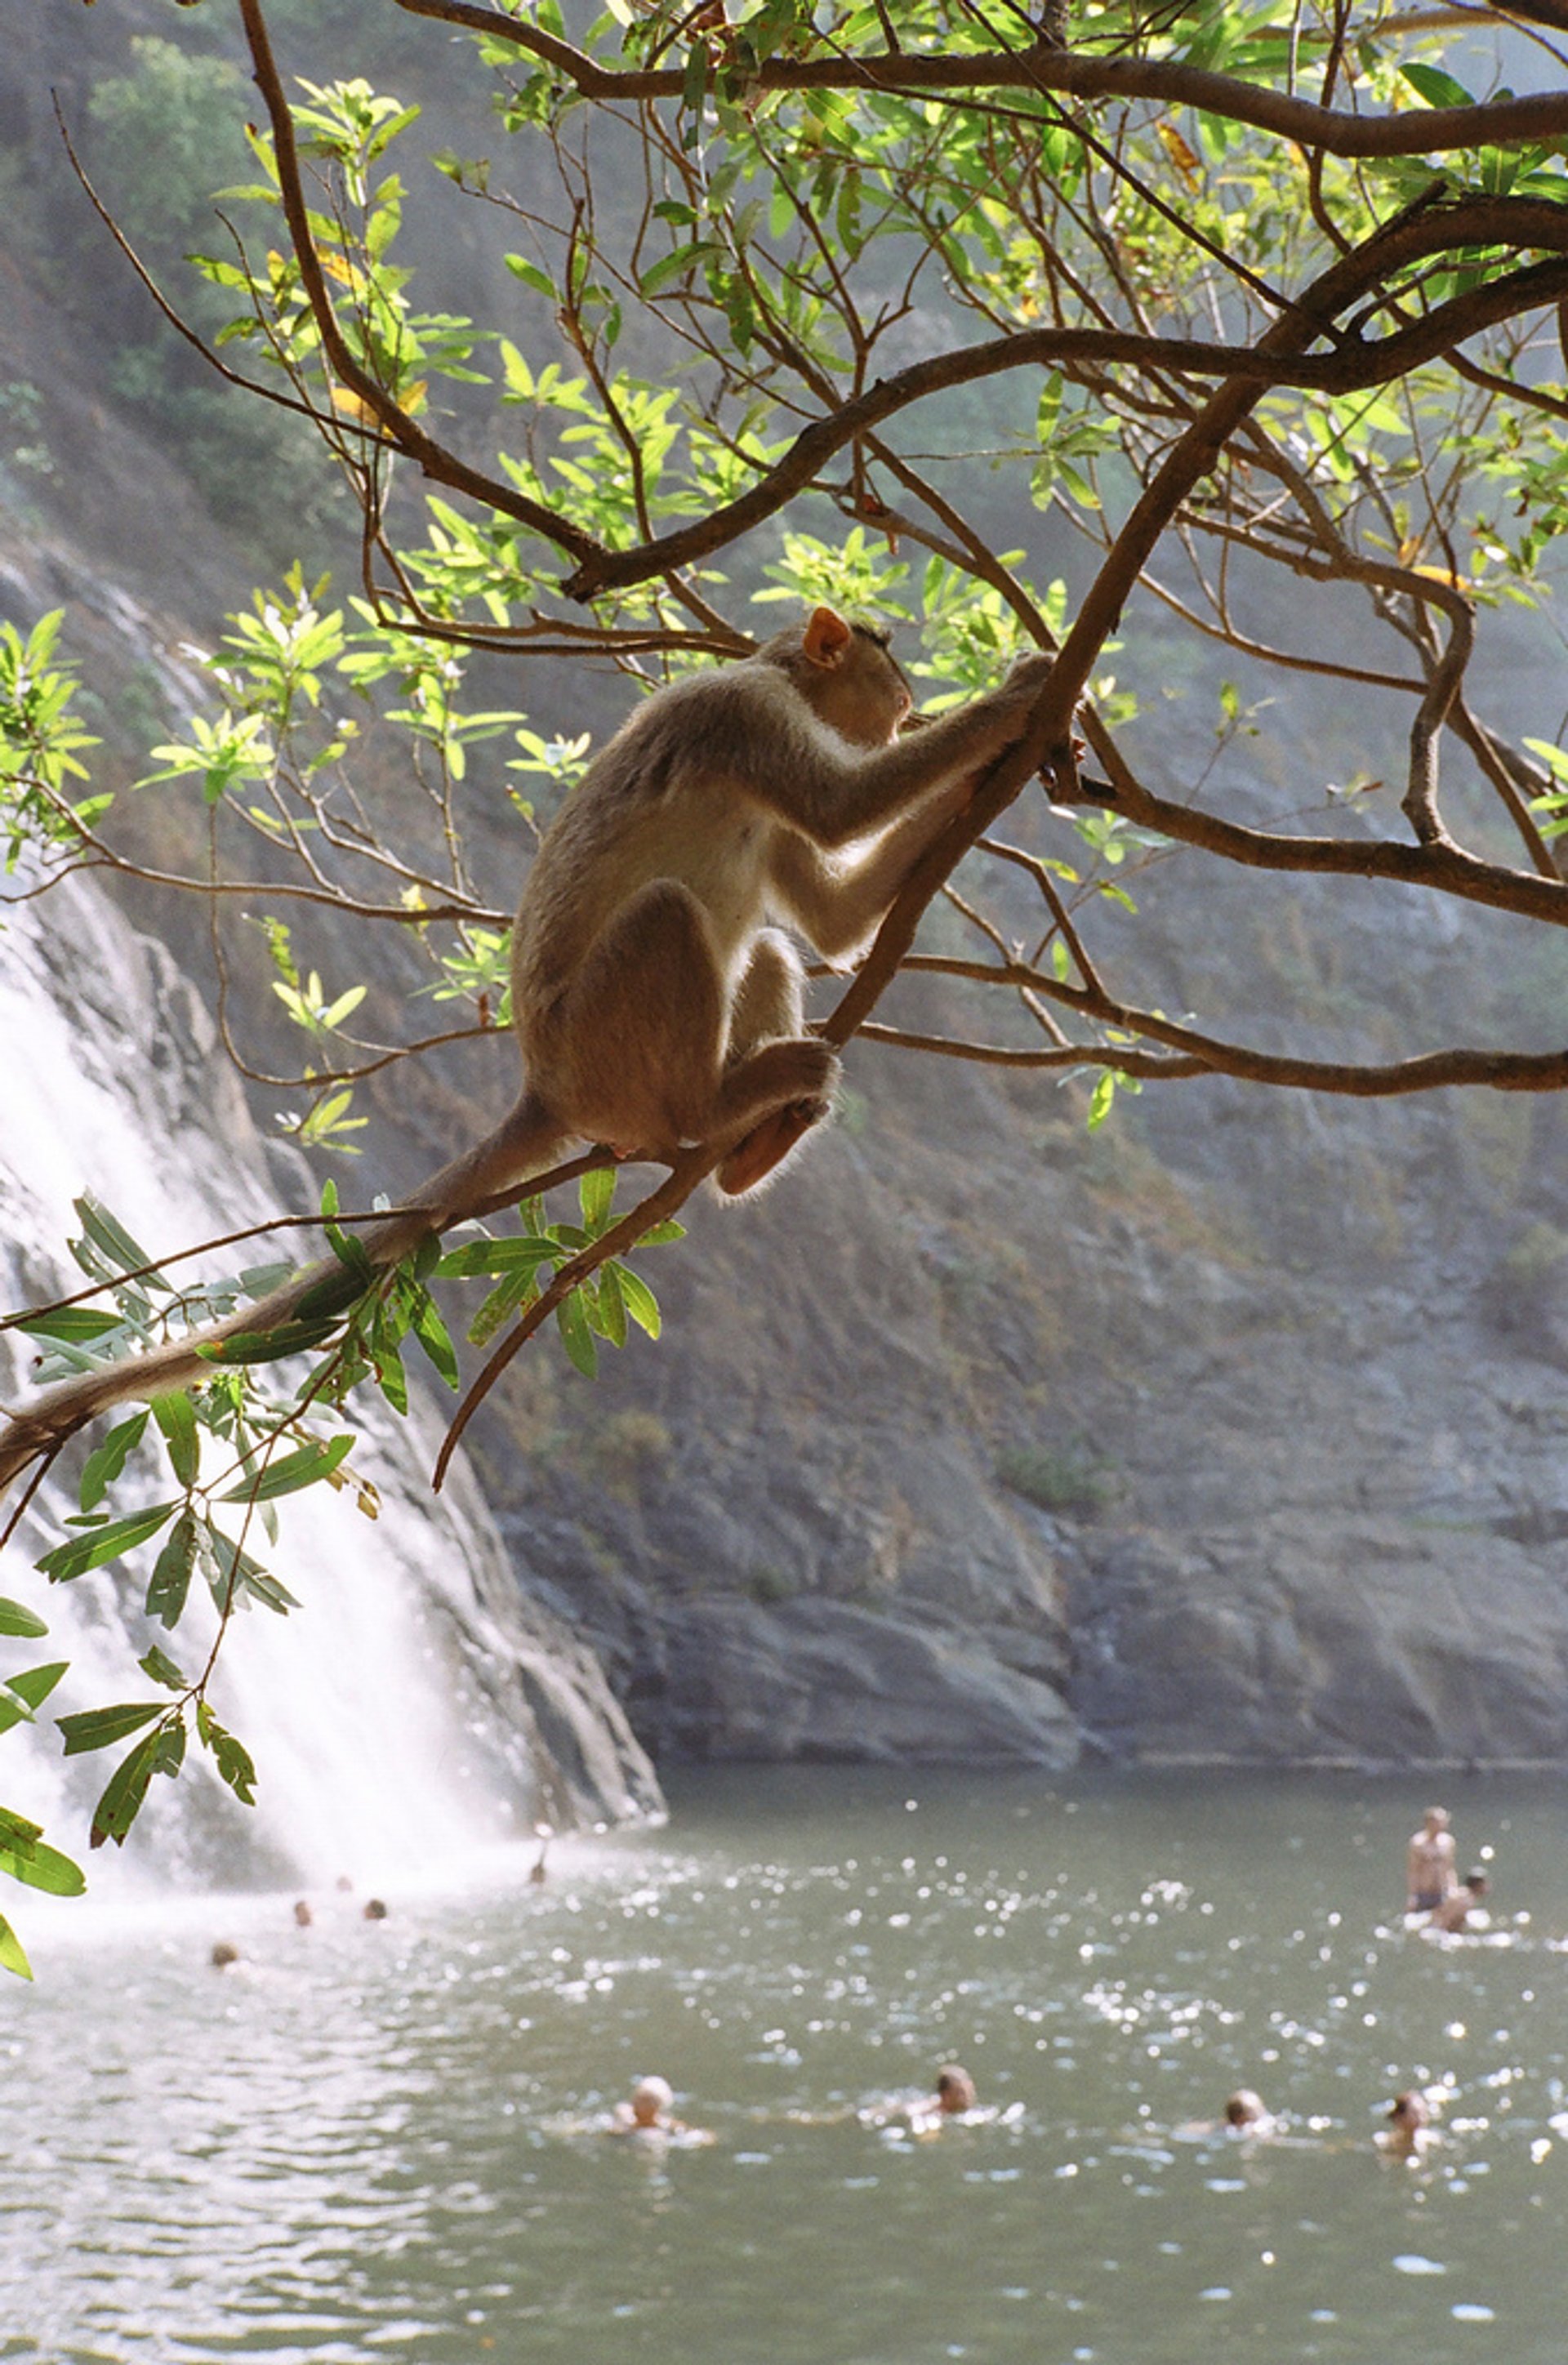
(656, 1000)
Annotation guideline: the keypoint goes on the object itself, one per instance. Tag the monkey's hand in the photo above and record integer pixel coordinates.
(1026, 676)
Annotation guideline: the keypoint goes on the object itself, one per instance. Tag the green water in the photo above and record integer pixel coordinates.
(366, 2141)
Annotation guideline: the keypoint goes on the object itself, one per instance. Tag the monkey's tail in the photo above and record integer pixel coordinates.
(303, 1308)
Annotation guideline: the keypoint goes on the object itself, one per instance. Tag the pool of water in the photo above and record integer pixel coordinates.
(366, 2140)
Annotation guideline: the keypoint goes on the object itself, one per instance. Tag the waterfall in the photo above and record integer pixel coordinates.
(414, 1708)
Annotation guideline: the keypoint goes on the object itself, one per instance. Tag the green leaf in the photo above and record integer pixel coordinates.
(171, 1579)
(100, 1728)
(232, 1569)
(161, 1669)
(496, 1256)
(671, 267)
(28, 1690)
(233, 1759)
(74, 1324)
(351, 1253)
(317, 1459)
(436, 1339)
(1438, 88)
(38, 1866)
(571, 1319)
(104, 1463)
(16, 1620)
(596, 1193)
(16, 1833)
(126, 1788)
(271, 1346)
(390, 1376)
(531, 275)
(1100, 1102)
(12, 1959)
(641, 1303)
(657, 1234)
(175, 1415)
(83, 1553)
(115, 1241)
(612, 1306)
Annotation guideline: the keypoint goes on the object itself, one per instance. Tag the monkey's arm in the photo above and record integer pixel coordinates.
(839, 902)
(832, 793)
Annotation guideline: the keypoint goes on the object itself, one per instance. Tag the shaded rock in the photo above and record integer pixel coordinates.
(1370, 1642)
(821, 1679)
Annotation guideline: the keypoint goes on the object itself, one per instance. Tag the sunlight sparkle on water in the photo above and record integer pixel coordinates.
(364, 2137)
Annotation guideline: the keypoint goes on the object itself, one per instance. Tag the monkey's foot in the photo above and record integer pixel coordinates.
(767, 1144)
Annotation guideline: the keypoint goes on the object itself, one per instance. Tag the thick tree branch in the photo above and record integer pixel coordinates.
(1070, 73)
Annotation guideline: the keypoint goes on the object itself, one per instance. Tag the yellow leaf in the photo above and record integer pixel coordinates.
(339, 267)
(1180, 153)
(345, 399)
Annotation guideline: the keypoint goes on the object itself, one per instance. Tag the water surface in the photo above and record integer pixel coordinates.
(368, 2140)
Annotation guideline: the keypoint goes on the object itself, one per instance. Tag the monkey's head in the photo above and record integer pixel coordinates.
(845, 673)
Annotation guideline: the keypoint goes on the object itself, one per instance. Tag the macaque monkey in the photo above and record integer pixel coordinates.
(654, 1005)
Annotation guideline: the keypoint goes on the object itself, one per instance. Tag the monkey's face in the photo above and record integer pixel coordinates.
(865, 698)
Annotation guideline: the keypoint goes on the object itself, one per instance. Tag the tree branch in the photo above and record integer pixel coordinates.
(1074, 74)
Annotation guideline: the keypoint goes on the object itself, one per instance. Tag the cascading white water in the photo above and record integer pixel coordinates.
(393, 1715)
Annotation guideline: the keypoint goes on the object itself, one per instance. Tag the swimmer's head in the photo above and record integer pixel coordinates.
(650, 2098)
(1244, 2108)
(1437, 1819)
(1477, 1882)
(1408, 2110)
(954, 2089)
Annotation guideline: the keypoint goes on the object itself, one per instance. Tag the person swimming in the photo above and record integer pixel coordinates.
(1455, 1913)
(1409, 2130)
(647, 2111)
(952, 2097)
(650, 2113)
(955, 2090)
(1245, 2113)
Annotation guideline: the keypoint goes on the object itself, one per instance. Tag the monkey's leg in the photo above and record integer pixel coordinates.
(769, 1003)
(647, 1028)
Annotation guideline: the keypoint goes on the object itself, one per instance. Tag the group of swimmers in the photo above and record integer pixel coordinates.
(650, 2109)
(1433, 1892)
(1407, 2133)
(1436, 1897)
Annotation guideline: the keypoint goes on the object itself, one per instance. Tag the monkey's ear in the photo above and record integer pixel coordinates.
(826, 637)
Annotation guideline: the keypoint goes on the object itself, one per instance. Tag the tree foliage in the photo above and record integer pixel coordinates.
(840, 302)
